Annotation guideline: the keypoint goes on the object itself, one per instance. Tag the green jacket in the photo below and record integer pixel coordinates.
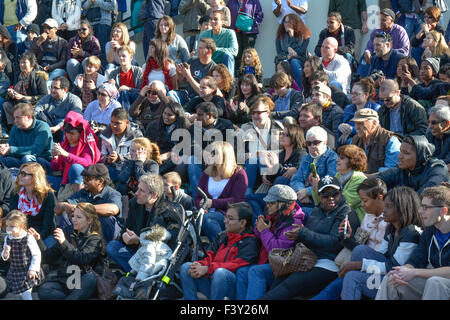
(350, 194)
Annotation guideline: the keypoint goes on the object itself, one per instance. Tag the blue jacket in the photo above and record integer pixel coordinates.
(388, 67)
(442, 146)
(326, 165)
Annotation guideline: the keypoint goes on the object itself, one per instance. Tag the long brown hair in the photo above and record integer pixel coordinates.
(227, 79)
(161, 52)
(301, 31)
(171, 35)
(95, 227)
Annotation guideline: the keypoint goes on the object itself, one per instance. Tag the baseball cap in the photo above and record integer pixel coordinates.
(329, 181)
(323, 88)
(388, 12)
(52, 23)
(33, 27)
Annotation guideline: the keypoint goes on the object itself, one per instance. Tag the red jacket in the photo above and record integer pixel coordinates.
(231, 251)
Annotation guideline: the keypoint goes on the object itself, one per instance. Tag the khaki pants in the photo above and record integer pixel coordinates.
(358, 43)
(434, 288)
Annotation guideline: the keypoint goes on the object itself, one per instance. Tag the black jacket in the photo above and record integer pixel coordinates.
(6, 188)
(442, 146)
(349, 41)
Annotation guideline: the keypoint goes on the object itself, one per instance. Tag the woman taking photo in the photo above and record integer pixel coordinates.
(80, 47)
(292, 42)
(119, 37)
(237, 111)
(83, 248)
(406, 68)
(159, 67)
(178, 49)
(224, 183)
(34, 196)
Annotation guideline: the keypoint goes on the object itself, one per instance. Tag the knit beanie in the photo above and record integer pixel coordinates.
(434, 62)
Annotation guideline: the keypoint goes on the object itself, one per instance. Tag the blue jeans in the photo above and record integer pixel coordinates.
(15, 162)
(252, 281)
(331, 292)
(411, 25)
(149, 34)
(194, 172)
(180, 96)
(297, 68)
(355, 282)
(50, 241)
(74, 176)
(120, 254)
(228, 60)
(363, 68)
(54, 74)
(102, 33)
(416, 53)
(252, 167)
(213, 224)
(127, 97)
(255, 200)
(221, 284)
(74, 68)
(17, 36)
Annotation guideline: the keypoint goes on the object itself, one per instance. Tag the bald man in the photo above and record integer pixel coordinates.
(335, 66)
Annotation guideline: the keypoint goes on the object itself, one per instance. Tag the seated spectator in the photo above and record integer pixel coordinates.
(372, 193)
(161, 130)
(50, 51)
(311, 66)
(334, 65)
(251, 64)
(291, 42)
(100, 110)
(281, 8)
(324, 159)
(99, 192)
(144, 158)
(343, 34)
(146, 209)
(77, 151)
(337, 95)
(362, 94)
(401, 211)
(283, 214)
(80, 47)
(208, 93)
(4, 86)
(332, 114)
(86, 83)
(6, 190)
(220, 5)
(30, 141)
(126, 77)
(29, 88)
(225, 39)
(285, 66)
(81, 248)
(224, 183)
(68, 16)
(287, 100)
(381, 146)
(425, 274)
(215, 275)
(237, 111)
(116, 141)
(35, 197)
(54, 107)
(159, 67)
(149, 105)
(417, 168)
(178, 49)
(436, 47)
(400, 114)
(351, 163)
(225, 82)
(406, 68)
(321, 235)
(439, 133)
(386, 58)
(310, 115)
(119, 39)
(193, 71)
(173, 191)
(192, 40)
(9, 47)
(33, 31)
(260, 135)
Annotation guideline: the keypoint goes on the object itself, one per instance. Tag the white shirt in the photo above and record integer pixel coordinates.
(339, 70)
(159, 74)
(215, 188)
(285, 9)
(35, 263)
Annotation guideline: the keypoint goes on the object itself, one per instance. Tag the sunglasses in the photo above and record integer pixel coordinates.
(284, 134)
(24, 174)
(153, 93)
(103, 94)
(83, 29)
(313, 143)
(330, 194)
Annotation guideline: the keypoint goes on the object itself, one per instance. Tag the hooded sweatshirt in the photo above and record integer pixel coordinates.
(85, 153)
(428, 172)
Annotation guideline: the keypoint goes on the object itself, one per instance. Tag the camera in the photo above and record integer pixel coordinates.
(376, 74)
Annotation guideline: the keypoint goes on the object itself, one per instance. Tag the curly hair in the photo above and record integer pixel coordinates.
(301, 31)
(356, 156)
(256, 61)
(227, 78)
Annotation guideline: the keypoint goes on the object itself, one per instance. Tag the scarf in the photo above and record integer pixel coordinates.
(29, 207)
(150, 66)
(23, 84)
(87, 95)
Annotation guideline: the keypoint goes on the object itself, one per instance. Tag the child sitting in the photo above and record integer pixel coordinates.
(173, 179)
(25, 257)
(251, 64)
(87, 83)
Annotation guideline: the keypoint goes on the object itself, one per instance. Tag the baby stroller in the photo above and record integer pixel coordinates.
(164, 286)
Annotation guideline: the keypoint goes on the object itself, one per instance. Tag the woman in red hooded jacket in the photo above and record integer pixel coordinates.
(78, 150)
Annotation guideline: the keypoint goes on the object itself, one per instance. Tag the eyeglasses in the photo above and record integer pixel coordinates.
(313, 143)
(356, 93)
(47, 27)
(435, 122)
(390, 99)
(24, 174)
(83, 29)
(330, 194)
(103, 94)
(230, 218)
(154, 93)
(284, 134)
(426, 207)
(427, 17)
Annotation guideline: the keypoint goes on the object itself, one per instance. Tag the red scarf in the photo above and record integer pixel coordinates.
(29, 207)
(150, 66)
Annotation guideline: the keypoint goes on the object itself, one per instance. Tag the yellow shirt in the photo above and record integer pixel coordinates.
(9, 17)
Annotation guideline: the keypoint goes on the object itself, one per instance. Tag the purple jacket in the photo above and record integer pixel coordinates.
(400, 39)
(251, 8)
(233, 192)
(90, 46)
(277, 239)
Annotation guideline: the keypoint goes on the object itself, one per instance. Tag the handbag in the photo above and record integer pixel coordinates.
(244, 22)
(106, 282)
(361, 236)
(287, 261)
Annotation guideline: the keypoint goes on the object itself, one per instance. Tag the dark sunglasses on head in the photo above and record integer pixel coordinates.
(329, 194)
(311, 143)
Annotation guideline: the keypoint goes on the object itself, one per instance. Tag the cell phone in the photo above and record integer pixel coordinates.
(404, 69)
(186, 65)
(313, 168)
(345, 224)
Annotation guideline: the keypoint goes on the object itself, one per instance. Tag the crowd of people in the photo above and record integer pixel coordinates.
(344, 149)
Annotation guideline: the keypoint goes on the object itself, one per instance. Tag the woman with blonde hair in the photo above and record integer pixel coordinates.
(84, 248)
(34, 196)
(178, 49)
(144, 158)
(224, 182)
(119, 37)
(435, 47)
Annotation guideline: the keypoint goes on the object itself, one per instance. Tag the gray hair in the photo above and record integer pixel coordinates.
(154, 182)
(317, 132)
(441, 111)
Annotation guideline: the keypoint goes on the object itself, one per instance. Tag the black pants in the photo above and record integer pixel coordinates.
(300, 284)
(54, 290)
(244, 41)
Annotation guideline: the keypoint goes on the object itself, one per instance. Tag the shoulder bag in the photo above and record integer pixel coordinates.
(244, 22)
(287, 261)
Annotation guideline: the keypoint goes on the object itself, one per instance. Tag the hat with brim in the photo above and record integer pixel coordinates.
(365, 114)
(323, 89)
(96, 170)
(388, 12)
(329, 181)
(280, 193)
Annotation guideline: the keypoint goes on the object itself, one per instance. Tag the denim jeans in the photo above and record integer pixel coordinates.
(363, 68)
(74, 68)
(356, 282)
(194, 172)
(127, 97)
(180, 96)
(416, 53)
(17, 36)
(411, 25)
(54, 74)
(255, 200)
(102, 33)
(297, 68)
(221, 284)
(252, 281)
(120, 254)
(54, 290)
(252, 167)
(213, 224)
(228, 60)
(149, 34)
(331, 292)
(74, 176)
(16, 162)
